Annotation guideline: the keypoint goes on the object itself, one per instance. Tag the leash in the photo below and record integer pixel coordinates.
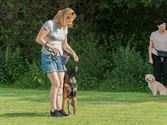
(54, 56)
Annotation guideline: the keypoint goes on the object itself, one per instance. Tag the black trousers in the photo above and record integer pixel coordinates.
(160, 69)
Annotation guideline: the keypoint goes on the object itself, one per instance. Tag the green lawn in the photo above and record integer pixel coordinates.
(31, 107)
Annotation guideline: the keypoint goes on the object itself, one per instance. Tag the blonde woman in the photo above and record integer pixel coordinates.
(53, 38)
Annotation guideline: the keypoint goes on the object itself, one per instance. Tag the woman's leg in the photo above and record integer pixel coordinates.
(60, 94)
(157, 67)
(165, 72)
(60, 90)
(55, 84)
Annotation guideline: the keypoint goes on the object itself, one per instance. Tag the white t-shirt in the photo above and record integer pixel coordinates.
(159, 40)
(56, 36)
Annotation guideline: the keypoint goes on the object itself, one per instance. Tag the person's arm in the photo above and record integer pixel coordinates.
(67, 47)
(41, 36)
(41, 39)
(151, 45)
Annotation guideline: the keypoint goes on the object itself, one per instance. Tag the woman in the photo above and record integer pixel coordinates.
(158, 42)
(53, 38)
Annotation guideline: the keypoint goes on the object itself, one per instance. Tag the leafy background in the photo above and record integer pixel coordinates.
(111, 38)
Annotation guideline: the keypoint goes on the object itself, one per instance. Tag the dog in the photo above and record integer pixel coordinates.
(70, 90)
(156, 87)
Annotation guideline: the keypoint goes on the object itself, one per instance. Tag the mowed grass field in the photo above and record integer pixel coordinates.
(31, 107)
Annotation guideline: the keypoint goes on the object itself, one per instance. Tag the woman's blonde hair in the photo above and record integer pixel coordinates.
(65, 14)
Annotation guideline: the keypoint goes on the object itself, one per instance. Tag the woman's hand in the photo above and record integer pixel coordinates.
(75, 57)
(70, 50)
(50, 48)
(150, 61)
(55, 50)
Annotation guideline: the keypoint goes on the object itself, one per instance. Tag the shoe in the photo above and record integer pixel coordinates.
(56, 113)
(63, 113)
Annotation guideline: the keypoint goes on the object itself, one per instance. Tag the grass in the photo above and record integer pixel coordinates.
(31, 107)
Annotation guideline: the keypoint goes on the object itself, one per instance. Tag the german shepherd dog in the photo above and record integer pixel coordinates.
(70, 90)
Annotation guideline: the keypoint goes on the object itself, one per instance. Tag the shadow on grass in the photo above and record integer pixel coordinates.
(120, 97)
(32, 98)
(24, 114)
(93, 97)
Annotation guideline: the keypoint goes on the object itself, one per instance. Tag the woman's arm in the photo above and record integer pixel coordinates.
(151, 45)
(67, 47)
(41, 39)
(41, 36)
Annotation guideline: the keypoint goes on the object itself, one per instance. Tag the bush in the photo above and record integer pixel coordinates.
(128, 72)
(34, 78)
(12, 65)
(92, 62)
(99, 29)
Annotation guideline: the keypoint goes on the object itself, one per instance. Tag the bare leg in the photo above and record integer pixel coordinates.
(60, 90)
(54, 79)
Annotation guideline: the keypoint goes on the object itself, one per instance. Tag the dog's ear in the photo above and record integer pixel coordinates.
(72, 72)
(66, 75)
(153, 78)
(73, 80)
(76, 68)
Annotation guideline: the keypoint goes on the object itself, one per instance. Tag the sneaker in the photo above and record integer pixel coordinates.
(56, 113)
(63, 113)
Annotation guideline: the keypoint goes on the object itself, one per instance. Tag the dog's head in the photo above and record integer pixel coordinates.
(149, 78)
(70, 75)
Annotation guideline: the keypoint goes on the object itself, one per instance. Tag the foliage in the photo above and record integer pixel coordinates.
(129, 71)
(34, 78)
(11, 66)
(92, 62)
(101, 27)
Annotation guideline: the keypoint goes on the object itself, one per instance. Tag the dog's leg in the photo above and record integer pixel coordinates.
(65, 92)
(154, 91)
(74, 101)
(68, 102)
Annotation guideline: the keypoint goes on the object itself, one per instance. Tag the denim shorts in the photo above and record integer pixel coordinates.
(51, 65)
